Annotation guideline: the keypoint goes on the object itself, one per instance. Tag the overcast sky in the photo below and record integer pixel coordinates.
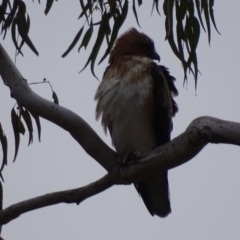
(205, 192)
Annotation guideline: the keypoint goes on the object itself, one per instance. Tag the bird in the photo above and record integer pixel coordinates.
(135, 103)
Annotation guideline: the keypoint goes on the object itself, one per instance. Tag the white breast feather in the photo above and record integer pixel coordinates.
(122, 105)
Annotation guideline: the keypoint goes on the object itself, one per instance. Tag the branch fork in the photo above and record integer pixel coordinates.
(180, 150)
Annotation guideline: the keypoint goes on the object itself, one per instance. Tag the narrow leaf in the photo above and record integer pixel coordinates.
(28, 121)
(84, 9)
(211, 3)
(135, 12)
(101, 5)
(178, 55)
(49, 4)
(193, 33)
(15, 124)
(168, 11)
(21, 127)
(23, 30)
(180, 38)
(139, 3)
(1, 176)
(75, 40)
(27, 30)
(86, 38)
(13, 31)
(3, 9)
(181, 11)
(10, 17)
(204, 4)
(197, 4)
(117, 25)
(55, 98)
(98, 43)
(4, 144)
(195, 64)
(156, 5)
(1, 200)
(37, 120)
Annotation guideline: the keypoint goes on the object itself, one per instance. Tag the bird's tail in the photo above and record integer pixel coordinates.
(155, 194)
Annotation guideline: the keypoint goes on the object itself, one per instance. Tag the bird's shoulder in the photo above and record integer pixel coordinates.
(129, 68)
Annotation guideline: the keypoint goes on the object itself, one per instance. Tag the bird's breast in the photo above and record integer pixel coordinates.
(125, 101)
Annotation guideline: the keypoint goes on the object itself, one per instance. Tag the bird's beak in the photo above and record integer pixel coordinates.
(156, 56)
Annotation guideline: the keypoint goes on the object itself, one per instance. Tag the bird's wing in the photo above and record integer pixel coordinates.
(155, 191)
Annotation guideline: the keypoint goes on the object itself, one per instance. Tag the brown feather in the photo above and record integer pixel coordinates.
(136, 105)
(133, 43)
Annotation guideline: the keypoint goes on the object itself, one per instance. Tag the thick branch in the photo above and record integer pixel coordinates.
(183, 148)
(61, 116)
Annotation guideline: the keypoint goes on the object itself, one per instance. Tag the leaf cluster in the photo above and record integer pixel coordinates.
(18, 116)
(182, 31)
(21, 119)
(19, 21)
(189, 15)
(113, 14)
(183, 21)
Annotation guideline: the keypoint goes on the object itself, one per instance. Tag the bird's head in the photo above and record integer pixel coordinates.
(134, 43)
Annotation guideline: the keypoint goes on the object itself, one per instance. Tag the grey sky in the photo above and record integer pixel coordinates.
(205, 192)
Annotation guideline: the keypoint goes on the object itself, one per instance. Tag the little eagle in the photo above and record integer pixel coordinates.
(135, 101)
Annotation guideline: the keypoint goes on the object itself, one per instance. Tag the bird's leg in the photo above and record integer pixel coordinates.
(137, 154)
(122, 160)
(130, 158)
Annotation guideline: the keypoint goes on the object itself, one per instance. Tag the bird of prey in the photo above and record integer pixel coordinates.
(135, 101)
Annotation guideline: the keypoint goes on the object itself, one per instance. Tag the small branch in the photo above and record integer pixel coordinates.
(42, 82)
(70, 196)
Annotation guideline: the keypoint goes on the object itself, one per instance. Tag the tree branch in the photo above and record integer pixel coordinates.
(181, 149)
(59, 115)
(70, 196)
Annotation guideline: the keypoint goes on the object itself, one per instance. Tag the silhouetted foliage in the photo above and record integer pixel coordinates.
(182, 31)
